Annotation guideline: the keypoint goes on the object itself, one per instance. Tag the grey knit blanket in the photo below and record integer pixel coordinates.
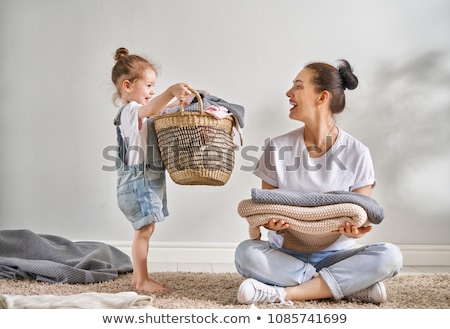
(313, 199)
(54, 259)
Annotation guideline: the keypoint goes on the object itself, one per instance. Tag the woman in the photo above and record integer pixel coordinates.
(316, 157)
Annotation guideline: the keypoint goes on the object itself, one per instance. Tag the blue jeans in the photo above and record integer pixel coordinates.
(345, 271)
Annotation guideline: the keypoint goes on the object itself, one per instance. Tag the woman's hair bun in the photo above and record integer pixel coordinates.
(120, 53)
(350, 81)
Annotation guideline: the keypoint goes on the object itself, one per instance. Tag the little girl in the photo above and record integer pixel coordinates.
(141, 185)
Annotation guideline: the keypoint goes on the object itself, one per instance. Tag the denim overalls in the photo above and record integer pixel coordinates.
(141, 189)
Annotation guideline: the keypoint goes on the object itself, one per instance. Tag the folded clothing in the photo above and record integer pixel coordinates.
(310, 228)
(312, 199)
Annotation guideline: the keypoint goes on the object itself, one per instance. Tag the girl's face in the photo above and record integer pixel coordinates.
(302, 96)
(142, 90)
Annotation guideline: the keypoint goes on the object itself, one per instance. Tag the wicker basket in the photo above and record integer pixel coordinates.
(196, 148)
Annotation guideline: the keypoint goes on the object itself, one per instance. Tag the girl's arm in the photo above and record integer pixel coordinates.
(157, 104)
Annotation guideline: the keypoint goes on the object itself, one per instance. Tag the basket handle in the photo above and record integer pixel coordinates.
(199, 99)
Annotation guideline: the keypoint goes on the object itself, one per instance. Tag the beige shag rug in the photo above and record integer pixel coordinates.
(191, 290)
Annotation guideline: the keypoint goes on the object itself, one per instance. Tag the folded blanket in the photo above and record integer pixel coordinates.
(310, 228)
(88, 300)
(49, 258)
(312, 199)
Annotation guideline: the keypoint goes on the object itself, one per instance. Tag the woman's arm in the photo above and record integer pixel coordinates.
(267, 186)
(365, 190)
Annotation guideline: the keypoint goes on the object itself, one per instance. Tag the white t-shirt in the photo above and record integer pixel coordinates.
(137, 138)
(285, 163)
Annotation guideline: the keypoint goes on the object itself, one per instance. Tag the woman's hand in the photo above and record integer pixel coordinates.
(276, 225)
(351, 231)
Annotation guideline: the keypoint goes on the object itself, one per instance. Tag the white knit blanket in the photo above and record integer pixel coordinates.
(88, 300)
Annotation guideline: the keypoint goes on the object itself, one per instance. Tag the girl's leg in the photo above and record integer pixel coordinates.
(141, 279)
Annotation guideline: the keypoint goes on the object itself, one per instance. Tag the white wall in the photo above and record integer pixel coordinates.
(56, 110)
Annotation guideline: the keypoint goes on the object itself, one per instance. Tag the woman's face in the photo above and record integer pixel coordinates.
(302, 96)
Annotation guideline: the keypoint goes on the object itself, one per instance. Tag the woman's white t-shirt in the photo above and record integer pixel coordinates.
(286, 164)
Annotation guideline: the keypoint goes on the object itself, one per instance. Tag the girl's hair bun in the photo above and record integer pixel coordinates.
(349, 80)
(120, 53)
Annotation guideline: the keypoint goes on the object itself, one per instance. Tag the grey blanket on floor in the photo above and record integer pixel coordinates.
(374, 212)
(50, 258)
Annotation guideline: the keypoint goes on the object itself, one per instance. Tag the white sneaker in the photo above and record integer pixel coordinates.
(252, 291)
(374, 294)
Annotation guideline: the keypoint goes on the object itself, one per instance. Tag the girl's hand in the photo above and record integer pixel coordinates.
(276, 224)
(158, 104)
(351, 231)
(180, 90)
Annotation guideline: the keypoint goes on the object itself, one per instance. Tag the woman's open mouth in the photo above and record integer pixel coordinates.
(294, 106)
